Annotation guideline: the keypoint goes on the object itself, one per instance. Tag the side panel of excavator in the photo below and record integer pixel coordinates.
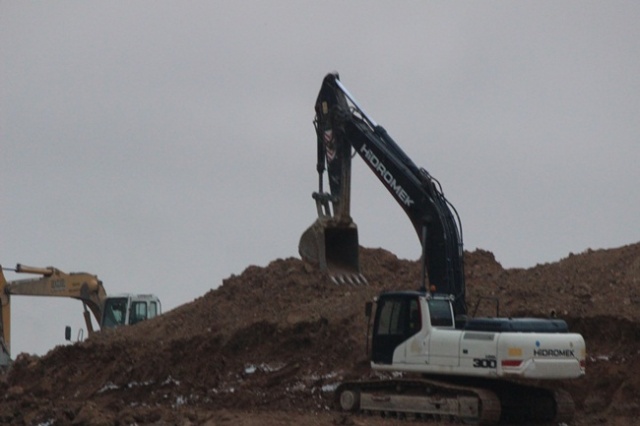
(436, 347)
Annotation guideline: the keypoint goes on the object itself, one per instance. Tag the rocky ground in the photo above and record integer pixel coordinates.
(268, 346)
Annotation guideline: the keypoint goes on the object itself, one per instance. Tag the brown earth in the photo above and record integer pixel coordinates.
(268, 346)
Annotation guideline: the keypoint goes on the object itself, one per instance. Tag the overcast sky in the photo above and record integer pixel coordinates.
(165, 146)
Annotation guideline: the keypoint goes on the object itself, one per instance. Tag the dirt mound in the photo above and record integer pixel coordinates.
(269, 345)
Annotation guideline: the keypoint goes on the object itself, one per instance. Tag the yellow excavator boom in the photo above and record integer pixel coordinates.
(52, 282)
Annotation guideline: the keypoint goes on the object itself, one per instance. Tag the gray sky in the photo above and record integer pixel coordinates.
(167, 145)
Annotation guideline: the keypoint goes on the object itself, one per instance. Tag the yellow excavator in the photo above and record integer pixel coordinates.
(109, 311)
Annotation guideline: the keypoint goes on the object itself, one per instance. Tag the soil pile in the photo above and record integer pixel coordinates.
(270, 345)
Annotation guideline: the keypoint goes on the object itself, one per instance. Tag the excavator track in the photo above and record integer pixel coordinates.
(420, 398)
(483, 403)
(523, 403)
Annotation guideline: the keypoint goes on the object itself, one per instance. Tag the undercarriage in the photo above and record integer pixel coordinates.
(480, 402)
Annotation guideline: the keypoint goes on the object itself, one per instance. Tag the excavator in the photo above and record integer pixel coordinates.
(431, 358)
(109, 311)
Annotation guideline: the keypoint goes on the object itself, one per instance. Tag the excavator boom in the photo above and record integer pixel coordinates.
(343, 127)
(54, 283)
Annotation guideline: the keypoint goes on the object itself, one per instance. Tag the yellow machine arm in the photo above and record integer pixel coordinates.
(52, 282)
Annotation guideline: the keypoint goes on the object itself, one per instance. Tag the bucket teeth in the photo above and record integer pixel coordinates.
(350, 279)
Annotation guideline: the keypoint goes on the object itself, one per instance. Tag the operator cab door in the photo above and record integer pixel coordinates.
(444, 339)
(138, 312)
(142, 309)
(397, 319)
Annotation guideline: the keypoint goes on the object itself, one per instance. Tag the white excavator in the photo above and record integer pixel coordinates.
(441, 362)
(109, 311)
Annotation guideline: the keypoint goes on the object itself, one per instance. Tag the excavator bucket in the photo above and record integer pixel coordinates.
(334, 249)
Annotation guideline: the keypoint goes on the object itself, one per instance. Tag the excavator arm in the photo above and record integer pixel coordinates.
(342, 126)
(52, 282)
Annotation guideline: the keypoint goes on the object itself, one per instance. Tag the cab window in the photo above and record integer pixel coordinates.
(440, 311)
(153, 309)
(138, 312)
(390, 318)
(115, 311)
(399, 316)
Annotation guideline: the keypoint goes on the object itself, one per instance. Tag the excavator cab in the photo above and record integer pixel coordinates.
(129, 309)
